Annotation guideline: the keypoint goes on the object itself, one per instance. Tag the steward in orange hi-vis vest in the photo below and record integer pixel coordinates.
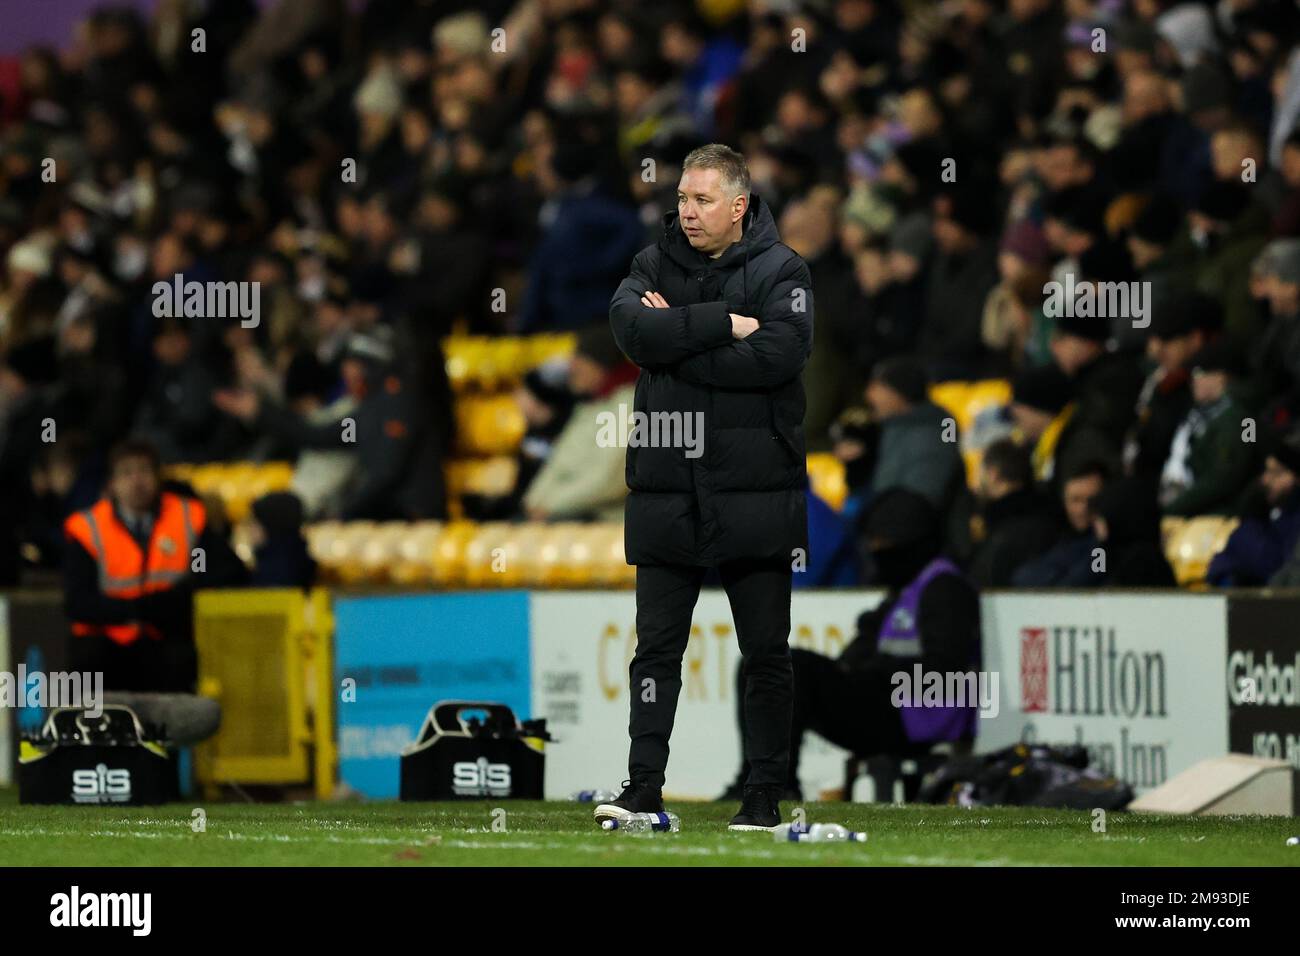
(126, 569)
(130, 569)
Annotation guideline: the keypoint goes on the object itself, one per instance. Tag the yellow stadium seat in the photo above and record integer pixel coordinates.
(554, 556)
(492, 477)
(982, 395)
(413, 565)
(610, 565)
(379, 551)
(826, 476)
(485, 555)
(449, 553)
(952, 397)
(1170, 526)
(489, 425)
(1196, 543)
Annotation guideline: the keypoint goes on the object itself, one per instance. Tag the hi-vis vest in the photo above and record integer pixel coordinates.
(124, 571)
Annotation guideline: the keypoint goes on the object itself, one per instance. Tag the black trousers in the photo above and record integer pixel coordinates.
(759, 594)
(850, 708)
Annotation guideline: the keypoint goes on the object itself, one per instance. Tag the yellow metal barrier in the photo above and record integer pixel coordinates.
(265, 655)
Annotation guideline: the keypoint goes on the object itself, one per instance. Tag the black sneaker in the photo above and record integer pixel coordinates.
(759, 810)
(635, 798)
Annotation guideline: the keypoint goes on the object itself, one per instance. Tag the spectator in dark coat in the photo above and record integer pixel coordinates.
(1106, 384)
(24, 374)
(1127, 524)
(1229, 229)
(177, 414)
(1270, 523)
(1181, 325)
(1209, 463)
(1043, 410)
(280, 552)
(1069, 562)
(399, 446)
(1020, 523)
(587, 242)
(918, 439)
(959, 278)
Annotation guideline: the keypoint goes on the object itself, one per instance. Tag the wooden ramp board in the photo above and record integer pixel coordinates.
(1233, 784)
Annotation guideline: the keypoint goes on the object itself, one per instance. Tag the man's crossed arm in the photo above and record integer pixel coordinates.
(708, 345)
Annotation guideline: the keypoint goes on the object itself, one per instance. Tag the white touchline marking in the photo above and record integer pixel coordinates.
(600, 844)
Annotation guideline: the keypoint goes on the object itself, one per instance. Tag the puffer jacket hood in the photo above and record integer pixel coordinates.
(758, 233)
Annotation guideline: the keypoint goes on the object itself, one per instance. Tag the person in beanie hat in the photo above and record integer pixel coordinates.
(1181, 325)
(1208, 463)
(1014, 325)
(1024, 239)
(1229, 230)
(912, 452)
(1106, 384)
(1044, 410)
(597, 366)
(958, 279)
(1258, 550)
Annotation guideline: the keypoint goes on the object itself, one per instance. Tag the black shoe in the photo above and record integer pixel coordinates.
(635, 798)
(760, 810)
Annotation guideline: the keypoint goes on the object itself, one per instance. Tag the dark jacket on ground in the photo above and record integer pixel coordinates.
(1019, 526)
(744, 495)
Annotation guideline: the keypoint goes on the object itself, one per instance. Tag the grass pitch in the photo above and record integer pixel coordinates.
(564, 834)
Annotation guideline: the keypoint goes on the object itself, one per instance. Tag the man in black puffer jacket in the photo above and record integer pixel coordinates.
(718, 315)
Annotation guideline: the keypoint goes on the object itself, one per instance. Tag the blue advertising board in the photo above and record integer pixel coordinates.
(405, 653)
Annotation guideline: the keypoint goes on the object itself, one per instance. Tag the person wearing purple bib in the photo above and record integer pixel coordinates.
(930, 616)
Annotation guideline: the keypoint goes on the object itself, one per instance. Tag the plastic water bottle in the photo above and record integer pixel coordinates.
(817, 833)
(594, 796)
(645, 823)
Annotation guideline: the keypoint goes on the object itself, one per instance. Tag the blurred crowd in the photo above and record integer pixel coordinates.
(396, 171)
